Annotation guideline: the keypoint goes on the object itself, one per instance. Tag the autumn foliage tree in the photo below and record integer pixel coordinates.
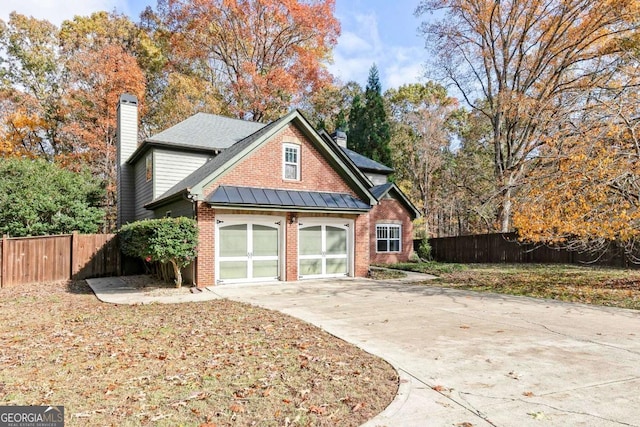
(32, 81)
(101, 66)
(585, 192)
(420, 140)
(528, 66)
(262, 56)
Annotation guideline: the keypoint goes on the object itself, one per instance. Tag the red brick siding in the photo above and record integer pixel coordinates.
(391, 211)
(205, 263)
(291, 255)
(263, 168)
(362, 254)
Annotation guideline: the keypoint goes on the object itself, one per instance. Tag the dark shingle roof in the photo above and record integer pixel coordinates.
(312, 200)
(207, 131)
(366, 164)
(380, 190)
(208, 168)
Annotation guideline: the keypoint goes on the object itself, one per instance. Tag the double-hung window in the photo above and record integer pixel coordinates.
(291, 162)
(388, 237)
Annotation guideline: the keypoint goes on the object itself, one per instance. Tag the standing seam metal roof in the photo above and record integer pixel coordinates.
(251, 196)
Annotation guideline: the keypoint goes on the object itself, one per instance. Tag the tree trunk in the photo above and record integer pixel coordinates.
(177, 273)
(507, 204)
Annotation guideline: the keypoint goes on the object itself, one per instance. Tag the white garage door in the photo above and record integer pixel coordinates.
(247, 250)
(323, 249)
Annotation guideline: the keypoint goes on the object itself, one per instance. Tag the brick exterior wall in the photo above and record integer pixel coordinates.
(388, 211)
(205, 263)
(263, 168)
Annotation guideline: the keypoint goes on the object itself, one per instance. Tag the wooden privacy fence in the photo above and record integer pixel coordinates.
(505, 248)
(53, 258)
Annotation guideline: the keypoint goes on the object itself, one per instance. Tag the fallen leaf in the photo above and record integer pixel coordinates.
(358, 407)
(316, 409)
(536, 415)
(527, 393)
(236, 408)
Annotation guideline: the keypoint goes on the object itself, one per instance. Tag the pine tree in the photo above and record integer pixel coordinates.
(369, 130)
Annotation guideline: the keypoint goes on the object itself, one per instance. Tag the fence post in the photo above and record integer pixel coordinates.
(3, 247)
(74, 252)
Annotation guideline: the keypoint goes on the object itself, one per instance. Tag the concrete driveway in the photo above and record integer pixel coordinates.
(477, 358)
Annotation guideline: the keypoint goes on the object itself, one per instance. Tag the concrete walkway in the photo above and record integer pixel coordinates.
(465, 357)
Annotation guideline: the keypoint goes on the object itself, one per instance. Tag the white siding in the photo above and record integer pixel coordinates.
(171, 167)
(144, 189)
(126, 144)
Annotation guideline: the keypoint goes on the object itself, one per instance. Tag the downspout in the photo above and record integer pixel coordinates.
(193, 198)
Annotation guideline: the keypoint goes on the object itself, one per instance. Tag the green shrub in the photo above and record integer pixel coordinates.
(167, 241)
(424, 250)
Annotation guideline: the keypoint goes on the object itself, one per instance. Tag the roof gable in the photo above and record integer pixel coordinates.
(380, 191)
(230, 157)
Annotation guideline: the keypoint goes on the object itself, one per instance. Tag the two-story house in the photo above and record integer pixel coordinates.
(277, 201)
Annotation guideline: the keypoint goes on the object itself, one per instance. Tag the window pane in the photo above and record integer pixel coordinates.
(233, 240)
(233, 270)
(394, 232)
(336, 266)
(311, 240)
(310, 267)
(336, 240)
(265, 269)
(291, 155)
(394, 245)
(382, 246)
(381, 232)
(265, 241)
(290, 171)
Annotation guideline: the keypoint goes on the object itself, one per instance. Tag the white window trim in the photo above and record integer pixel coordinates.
(285, 163)
(389, 226)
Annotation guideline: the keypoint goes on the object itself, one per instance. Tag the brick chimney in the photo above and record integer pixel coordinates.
(127, 142)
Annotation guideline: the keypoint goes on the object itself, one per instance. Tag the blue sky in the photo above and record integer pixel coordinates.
(373, 31)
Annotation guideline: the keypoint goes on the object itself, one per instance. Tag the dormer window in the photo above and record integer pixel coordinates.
(291, 162)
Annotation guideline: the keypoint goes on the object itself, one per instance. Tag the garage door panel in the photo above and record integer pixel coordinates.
(310, 267)
(337, 266)
(336, 241)
(265, 240)
(233, 240)
(268, 268)
(311, 240)
(231, 270)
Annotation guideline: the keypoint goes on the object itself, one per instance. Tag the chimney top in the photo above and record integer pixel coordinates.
(340, 137)
(127, 98)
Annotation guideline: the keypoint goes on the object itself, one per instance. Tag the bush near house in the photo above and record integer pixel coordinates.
(169, 241)
(40, 198)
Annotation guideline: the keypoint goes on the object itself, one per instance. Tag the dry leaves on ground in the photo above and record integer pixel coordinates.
(212, 363)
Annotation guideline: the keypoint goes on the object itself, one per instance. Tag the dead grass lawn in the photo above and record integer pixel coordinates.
(214, 363)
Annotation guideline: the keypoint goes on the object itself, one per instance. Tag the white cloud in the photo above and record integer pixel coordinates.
(57, 11)
(360, 46)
